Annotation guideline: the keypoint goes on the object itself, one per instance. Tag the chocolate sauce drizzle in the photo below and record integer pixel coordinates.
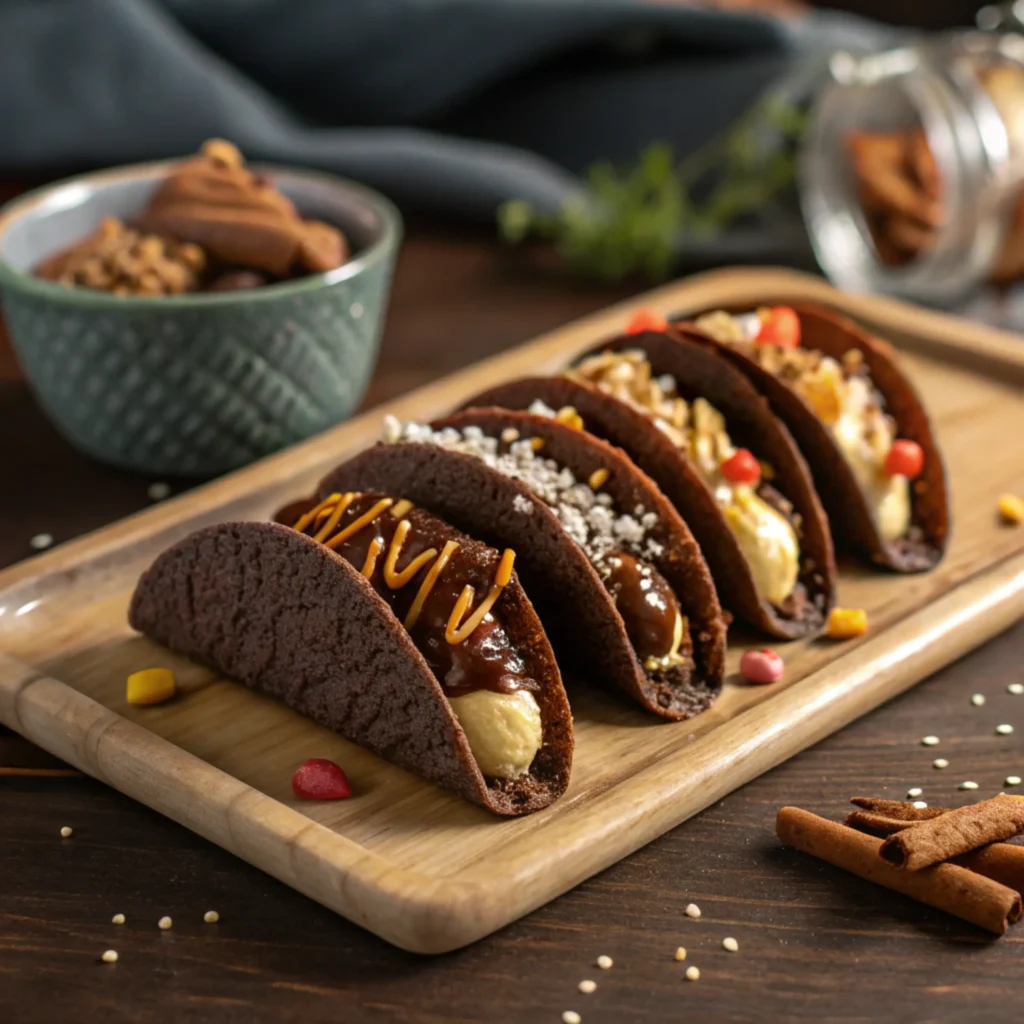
(467, 649)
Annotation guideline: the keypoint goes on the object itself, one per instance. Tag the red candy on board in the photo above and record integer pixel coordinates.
(741, 467)
(645, 320)
(320, 779)
(779, 326)
(905, 458)
(761, 667)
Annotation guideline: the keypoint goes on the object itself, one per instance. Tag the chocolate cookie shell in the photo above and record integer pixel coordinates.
(852, 523)
(575, 606)
(699, 372)
(287, 616)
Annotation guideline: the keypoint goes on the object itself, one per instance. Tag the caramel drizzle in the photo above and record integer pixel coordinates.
(327, 515)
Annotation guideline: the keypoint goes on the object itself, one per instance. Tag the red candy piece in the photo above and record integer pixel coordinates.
(905, 458)
(320, 779)
(645, 320)
(741, 467)
(761, 667)
(780, 326)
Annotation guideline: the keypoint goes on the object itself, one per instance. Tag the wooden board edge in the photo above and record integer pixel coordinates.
(991, 349)
(416, 912)
(435, 915)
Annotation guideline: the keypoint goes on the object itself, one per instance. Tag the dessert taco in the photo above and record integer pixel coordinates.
(381, 621)
(681, 413)
(618, 579)
(858, 422)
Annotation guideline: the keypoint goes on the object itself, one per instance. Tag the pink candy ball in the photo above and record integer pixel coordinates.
(763, 666)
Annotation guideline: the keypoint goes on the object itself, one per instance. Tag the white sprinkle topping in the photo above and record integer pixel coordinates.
(110, 957)
(67, 831)
(588, 517)
(731, 945)
(41, 541)
(1012, 780)
(211, 917)
(587, 986)
(1004, 730)
(391, 429)
(920, 805)
(522, 505)
(680, 953)
(539, 408)
(940, 762)
(913, 794)
(1017, 689)
(571, 1017)
(117, 919)
(164, 923)
(693, 974)
(692, 910)
(605, 962)
(931, 741)
(968, 785)
(509, 434)
(978, 699)
(158, 491)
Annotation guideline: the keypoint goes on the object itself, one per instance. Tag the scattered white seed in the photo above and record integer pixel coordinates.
(605, 962)
(158, 491)
(211, 917)
(110, 957)
(978, 699)
(968, 785)
(164, 923)
(731, 945)
(920, 805)
(1012, 780)
(692, 910)
(913, 794)
(587, 986)
(680, 953)
(1017, 689)
(940, 762)
(1004, 730)
(67, 831)
(41, 541)
(693, 974)
(930, 741)
(571, 1017)
(117, 919)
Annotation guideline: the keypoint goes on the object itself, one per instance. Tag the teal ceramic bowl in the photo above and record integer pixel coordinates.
(199, 384)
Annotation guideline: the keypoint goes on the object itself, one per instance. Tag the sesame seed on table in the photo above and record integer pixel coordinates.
(810, 940)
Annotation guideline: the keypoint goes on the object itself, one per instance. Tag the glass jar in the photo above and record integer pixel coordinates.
(912, 167)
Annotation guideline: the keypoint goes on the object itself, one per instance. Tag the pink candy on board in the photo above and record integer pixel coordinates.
(763, 666)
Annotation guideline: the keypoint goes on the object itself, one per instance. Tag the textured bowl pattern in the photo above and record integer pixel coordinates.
(199, 385)
(204, 390)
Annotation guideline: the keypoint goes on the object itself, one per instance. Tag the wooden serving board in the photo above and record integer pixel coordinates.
(417, 866)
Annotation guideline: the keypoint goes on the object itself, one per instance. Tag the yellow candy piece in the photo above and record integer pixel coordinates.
(1011, 508)
(846, 623)
(150, 686)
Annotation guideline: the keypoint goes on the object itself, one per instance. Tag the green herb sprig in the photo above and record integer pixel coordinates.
(629, 222)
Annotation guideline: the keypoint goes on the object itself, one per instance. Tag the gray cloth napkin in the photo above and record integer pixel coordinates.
(446, 105)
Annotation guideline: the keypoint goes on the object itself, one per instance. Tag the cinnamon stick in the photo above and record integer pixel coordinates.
(902, 809)
(1002, 862)
(948, 887)
(955, 832)
(40, 773)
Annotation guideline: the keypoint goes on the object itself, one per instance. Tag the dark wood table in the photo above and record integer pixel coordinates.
(813, 943)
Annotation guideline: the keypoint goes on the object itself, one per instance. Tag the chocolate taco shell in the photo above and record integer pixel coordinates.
(852, 522)
(574, 604)
(699, 372)
(287, 616)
